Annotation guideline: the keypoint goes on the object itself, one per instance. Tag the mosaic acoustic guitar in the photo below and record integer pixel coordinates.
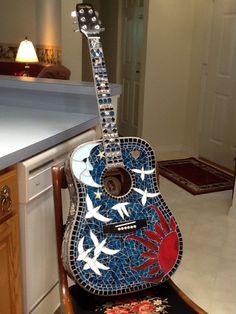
(120, 235)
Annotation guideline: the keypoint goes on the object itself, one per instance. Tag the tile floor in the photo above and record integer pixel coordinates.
(207, 273)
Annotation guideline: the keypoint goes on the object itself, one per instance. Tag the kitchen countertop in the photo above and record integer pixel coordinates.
(51, 85)
(26, 132)
(37, 114)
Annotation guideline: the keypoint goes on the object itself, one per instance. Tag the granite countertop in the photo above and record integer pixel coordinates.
(37, 114)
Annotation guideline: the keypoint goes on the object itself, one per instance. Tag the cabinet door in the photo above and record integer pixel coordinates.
(10, 295)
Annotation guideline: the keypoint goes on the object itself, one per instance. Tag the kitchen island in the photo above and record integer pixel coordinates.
(37, 114)
(41, 121)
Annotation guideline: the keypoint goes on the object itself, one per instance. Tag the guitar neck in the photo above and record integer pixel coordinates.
(111, 141)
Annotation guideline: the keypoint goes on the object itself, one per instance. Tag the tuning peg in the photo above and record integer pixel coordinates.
(96, 13)
(76, 30)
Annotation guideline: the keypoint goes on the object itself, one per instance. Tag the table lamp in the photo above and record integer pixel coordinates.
(27, 54)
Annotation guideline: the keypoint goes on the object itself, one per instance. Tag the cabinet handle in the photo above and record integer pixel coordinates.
(5, 199)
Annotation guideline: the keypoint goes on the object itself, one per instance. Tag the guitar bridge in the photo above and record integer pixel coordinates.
(124, 227)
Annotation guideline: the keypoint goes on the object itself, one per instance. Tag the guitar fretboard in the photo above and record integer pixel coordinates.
(111, 141)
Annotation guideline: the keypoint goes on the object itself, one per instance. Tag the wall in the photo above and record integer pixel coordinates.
(16, 22)
(40, 22)
(71, 42)
(109, 18)
(168, 53)
(48, 22)
(197, 77)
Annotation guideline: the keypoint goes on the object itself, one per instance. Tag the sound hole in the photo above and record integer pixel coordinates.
(117, 181)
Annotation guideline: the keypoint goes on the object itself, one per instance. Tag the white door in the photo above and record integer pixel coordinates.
(132, 43)
(218, 137)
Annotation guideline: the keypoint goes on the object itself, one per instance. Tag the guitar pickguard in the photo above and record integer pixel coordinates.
(116, 243)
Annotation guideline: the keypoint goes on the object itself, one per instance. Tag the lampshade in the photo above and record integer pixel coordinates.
(26, 52)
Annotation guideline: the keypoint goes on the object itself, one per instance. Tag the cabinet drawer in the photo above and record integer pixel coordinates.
(8, 193)
(40, 182)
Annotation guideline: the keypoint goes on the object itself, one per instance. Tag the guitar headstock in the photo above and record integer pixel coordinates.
(88, 21)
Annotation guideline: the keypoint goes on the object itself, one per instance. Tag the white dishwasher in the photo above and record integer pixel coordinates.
(37, 225)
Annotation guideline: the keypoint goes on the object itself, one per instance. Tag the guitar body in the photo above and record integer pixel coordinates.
(120, 235)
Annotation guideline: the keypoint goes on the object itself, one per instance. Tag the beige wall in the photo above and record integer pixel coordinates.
(197, 77)
(168, 53)
(39, 20)
(45, 22)
(16, 22)
(48, 22)
(71, 42)
(109, 18)
(175, 44)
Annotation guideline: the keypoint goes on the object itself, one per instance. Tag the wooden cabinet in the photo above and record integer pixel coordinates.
(10, 275)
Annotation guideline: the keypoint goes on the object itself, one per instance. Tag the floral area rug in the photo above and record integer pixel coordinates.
(195, 176)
